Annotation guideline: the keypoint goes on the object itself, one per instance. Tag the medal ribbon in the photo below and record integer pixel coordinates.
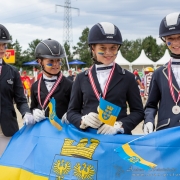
(107, 83)
(170, 83)
(50, 93)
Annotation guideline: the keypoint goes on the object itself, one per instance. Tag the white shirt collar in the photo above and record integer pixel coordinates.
(103, 65)
(175, 60)
(50, 78)
(102, 75)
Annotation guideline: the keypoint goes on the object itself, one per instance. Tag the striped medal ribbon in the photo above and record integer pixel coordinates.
(107, 83)
(50, 92)
(175, 108)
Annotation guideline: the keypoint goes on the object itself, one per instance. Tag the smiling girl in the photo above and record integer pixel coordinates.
(107, 80)
(164, 89)
(49, 54)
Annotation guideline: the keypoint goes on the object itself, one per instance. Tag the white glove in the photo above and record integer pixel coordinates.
(148, 128)
(64, 119)
(111, 130)
(28, 119)
(90, 120)
(39, 115)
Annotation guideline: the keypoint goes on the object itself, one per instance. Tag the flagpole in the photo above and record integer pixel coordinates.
(66, 58)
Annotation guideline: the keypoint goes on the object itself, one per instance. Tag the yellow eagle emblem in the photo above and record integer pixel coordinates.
(61, 168)
(84, 172)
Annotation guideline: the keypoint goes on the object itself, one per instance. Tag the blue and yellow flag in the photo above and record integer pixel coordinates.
(126, 152)
(55, 121)
(108, 112)
(42, 152)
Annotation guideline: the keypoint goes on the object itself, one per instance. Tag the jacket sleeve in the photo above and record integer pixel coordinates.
(136, 108)
(76, 103)
(69, 90)
(151, 107)
(34, 102)
(19, 96)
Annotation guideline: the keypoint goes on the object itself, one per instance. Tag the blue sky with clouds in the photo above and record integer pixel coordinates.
(29, 20)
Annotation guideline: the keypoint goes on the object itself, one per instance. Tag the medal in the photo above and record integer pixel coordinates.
(175, 108)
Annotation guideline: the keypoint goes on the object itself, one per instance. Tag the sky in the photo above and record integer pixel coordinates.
(43, 19)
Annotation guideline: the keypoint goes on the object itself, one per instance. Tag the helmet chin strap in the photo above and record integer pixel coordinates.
(95, 61)
(92, 57)
(175, 56)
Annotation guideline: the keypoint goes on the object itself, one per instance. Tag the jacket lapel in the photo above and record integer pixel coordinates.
(174, 82)
(58, 87)
(43, 87)
(117, 76)
(96, 80)
(4, 70)
(45, 90)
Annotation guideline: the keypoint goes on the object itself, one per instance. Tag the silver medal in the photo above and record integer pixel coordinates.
(176, 109)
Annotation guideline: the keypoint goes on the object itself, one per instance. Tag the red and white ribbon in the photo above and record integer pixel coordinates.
(50, 93)
(93, 85)
(170, 84)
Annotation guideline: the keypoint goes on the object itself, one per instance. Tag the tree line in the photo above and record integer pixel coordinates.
(130, 50)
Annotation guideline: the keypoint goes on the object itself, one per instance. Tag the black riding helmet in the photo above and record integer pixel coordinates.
(4, 35)
(170, 25)
(104, 33)
(50, 49)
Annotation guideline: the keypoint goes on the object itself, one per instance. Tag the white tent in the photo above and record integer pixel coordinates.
(142, 61)
(166, 57)
(122, 61)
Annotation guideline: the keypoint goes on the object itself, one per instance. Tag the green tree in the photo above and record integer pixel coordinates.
(131, 49)
(28, 54)
(151, 48)
(82, 48)
(31, 49)
(162, 49)
(18, 54)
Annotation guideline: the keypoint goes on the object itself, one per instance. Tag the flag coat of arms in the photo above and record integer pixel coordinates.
(108, 112)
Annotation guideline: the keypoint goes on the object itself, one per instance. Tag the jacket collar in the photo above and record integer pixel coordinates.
(4, 70)
(174, 82)
(44, 89)
(96, 80)
(117, 76)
